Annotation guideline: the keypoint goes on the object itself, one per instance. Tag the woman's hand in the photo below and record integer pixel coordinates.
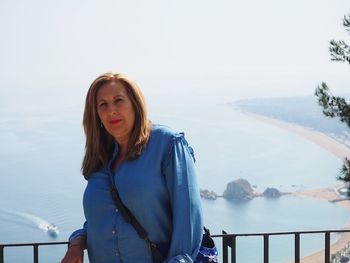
(75, 252)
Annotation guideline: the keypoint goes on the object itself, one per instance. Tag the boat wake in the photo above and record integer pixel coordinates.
(32, 220)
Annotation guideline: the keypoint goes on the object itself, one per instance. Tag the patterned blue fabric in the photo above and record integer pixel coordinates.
(161, 190)
(206, 255)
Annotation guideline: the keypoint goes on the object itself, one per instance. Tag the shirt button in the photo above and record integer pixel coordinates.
(117, 253)
(116, 210)
(113, 232)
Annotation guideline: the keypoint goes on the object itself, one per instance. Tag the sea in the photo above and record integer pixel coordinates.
(41, 150)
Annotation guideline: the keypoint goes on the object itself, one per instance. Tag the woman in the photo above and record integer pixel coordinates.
(153, 169)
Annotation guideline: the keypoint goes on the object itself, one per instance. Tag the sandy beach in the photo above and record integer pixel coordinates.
(328, 194)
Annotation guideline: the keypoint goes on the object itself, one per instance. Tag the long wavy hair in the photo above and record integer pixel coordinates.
(99, 143)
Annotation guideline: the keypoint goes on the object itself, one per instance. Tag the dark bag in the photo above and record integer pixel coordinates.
(207, 251)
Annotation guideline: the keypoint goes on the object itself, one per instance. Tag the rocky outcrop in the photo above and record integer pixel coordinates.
(342, 255)
(211, 195)
(271, 193)
(239, 189)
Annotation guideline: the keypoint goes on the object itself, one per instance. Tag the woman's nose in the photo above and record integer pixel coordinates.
(113, 109)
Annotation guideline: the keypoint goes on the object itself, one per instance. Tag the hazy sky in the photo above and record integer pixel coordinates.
(52, 46)
(177, 50)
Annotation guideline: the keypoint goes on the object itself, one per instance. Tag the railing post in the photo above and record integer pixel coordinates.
(297, 248)
(266, 248)
(36, 254)
(1, 254)
(233, 249)
(224, 248)
(327, 247)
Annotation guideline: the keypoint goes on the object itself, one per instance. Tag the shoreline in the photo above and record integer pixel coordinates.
(327, 194)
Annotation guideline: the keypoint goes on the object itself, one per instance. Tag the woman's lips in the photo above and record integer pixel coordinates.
(114, 121)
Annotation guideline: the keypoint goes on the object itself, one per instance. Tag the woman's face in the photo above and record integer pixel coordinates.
(115, 110)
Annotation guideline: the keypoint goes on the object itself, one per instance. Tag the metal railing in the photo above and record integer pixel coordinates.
(229, 242)
(34, 245)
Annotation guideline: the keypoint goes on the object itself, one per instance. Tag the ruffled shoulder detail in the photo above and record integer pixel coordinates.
(189, 147)
(177, 139)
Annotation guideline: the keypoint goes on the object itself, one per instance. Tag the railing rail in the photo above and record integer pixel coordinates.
(34, 245)
(229, 241)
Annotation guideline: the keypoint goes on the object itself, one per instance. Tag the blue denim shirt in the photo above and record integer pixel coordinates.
(160, 189)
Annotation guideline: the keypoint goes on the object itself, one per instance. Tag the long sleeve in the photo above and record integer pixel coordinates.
(79, 232)
(187, 225)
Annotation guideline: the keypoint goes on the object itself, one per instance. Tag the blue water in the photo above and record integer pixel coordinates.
(41, 152)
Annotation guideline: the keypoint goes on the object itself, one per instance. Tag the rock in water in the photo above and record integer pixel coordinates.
(272, 193)
(211, 195)
(239, 189)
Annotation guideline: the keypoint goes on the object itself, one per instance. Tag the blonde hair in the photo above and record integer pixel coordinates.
(99, 143)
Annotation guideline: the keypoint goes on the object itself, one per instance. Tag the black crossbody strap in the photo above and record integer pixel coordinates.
(130, 219)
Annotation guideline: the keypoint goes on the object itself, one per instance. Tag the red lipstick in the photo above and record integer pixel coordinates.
(114, 121)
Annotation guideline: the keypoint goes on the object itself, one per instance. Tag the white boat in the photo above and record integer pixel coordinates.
(52, 230)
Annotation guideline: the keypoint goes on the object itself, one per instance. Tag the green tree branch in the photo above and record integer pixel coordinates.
(337, 106)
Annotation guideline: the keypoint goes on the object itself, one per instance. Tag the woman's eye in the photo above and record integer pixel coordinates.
(117, 100)
(103, 104)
